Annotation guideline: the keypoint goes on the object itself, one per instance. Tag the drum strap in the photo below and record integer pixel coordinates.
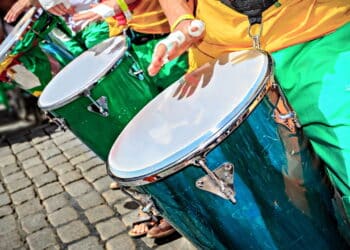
(251, 8)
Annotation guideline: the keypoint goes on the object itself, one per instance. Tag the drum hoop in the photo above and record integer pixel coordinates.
(77, 94)
(228, 127)
(16, 33)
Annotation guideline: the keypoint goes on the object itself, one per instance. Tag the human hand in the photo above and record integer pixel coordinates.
(96, 13)
(61, 10)
(187, 33)
(17, 9)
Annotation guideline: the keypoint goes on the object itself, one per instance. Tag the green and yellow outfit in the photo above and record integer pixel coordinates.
(309, 42)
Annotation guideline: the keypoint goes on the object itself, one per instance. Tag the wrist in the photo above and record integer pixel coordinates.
(181, 19)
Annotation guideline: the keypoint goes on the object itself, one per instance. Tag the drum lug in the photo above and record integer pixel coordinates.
(99, 106)
(60, 122)
(219, 182)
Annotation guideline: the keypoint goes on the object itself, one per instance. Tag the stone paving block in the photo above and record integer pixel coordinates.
(7, 224)
(129, 218)
(49, 153)
(38, 137)
(13, 177)
(102, 184)
(122, 241)
(125, 206)
(33, 222)
(112, 196)
(85, 166)
(19, 147)
(70, 144)
(37, 170)
(26, 154)
(23, 195)
(62, 216)
(98, 213)
(57, 133)
(9, 169)
(82, 158)
(89, 200)
(31, 162)
(77, 150)
(1, 188)
(18, 185)
(67, 136)
(89, 243)
(10, 240)
(73, 231)
(5, 210)
(4, 199)
(95, 173)
(55, 247)
(78, 188)
(49, 190)
(63, 168)
(110, 228)
(69, 177)
(41, 239)
(43, 179)
(56, 161)
(55, 202)
(180, 243)
(30, 207)
(45, 146)
(7, 160)
(5, 150)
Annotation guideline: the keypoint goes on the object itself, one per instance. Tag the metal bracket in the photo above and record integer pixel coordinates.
(219, 182)
(100, 106)
(60, 122)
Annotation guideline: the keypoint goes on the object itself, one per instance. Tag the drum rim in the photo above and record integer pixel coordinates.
(228, 126)
(13, 36)
(73, 96)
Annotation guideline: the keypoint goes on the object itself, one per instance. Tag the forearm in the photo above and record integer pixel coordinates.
(175, 8)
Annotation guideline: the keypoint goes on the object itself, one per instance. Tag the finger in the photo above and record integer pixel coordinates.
(56, 11)
(71, 11)
(157, 60)
(83, 16)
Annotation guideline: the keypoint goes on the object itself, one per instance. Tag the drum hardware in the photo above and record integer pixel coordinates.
(255, 37)
(99, 106)
(60, 122)
(135, 69)
(283, 113)
(219, 182)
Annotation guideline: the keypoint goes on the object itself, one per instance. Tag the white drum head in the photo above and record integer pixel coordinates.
(82, 73)
(16, 33)
(177, 124)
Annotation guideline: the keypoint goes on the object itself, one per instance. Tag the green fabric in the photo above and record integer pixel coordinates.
(170, 72)
(3, 96)
(37, 62)
(315, 78)
(91, 35)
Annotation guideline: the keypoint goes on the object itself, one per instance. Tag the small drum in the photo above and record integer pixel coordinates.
(98, 93)
(221, 154)
(28, 56)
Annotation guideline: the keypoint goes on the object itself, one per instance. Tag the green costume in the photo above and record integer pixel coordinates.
(321, 99)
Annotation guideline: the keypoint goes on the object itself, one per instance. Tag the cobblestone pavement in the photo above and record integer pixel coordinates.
(54, 194)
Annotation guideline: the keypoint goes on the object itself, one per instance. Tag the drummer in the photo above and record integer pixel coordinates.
(309, 42)
(145, 25)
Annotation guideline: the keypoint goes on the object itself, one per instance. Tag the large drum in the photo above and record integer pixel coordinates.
(28, 55)
(98, 93)
(221, 154)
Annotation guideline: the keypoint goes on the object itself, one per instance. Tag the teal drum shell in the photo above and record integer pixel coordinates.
(283, 198)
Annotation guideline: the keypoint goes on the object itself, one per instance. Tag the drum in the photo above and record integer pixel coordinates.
(28, 56)
(98, 93)
(221, 154)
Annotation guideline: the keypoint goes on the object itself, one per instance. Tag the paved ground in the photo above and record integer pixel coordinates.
(54, 194)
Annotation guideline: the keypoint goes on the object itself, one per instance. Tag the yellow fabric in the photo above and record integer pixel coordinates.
(180, 19)
(114, 28)
(149, 18)
(295, 21)
(6, 62)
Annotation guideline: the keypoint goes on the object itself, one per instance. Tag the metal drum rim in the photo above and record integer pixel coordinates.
(227, 127)
(73, 96)
(12, 38)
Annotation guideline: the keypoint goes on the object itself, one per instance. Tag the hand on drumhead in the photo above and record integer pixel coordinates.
(61, 10)
(17, 9)
(187, 33)
(96, 13)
